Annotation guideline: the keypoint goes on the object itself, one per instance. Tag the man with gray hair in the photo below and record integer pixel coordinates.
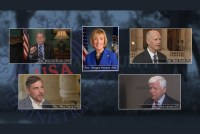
(158, 97)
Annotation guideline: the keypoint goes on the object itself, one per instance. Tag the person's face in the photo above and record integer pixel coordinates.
(154, 41)
(156, 91)
(36, 91)
(40, 39)
(98, 41)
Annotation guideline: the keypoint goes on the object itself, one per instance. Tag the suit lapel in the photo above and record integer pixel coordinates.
(45, 51)
(28, 103)
(93, 60)
(159, 57)
(166, 100)
(104, 59)
(147, 57)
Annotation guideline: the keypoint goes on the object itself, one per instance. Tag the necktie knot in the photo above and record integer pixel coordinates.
(156, 105)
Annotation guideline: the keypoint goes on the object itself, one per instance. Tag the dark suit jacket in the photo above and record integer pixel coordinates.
(27, 104)
(48, 50)
(108, 58)
(167, 101)
(145, 57)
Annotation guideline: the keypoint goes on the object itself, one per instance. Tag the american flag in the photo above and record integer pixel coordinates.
(85, 45)
(85, 52)
(25, 44)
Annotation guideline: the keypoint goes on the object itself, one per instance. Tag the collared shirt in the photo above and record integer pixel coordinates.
(35, 104)
(160, 101)
(98, 60)
(152, 55)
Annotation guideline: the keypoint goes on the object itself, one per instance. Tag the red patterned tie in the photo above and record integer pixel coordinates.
(156, 104)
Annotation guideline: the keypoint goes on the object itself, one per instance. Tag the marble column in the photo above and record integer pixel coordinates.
(188, 38)
(164, 39)
(188, 43)
(51, 84)
(69, 91)
(182, 40)
(139, 39)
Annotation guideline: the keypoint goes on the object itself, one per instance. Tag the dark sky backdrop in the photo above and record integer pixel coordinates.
(99, 94)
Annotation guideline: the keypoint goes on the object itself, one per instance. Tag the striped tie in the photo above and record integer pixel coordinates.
(155, 59)
(40, 54)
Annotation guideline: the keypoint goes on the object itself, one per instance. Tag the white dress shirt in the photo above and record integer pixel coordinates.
(160, 102)
(35, 104)
(152, 55)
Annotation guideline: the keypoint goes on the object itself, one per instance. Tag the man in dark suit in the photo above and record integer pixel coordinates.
(35, 98)
(158, 97)
(151, 54)
(41, 51)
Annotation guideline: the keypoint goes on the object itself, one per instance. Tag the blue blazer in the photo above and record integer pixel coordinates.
(108, 58)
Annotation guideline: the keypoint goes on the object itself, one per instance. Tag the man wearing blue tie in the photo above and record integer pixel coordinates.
(101, 55)
(40, 51)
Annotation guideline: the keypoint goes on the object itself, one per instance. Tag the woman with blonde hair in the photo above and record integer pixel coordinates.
(101, 55)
